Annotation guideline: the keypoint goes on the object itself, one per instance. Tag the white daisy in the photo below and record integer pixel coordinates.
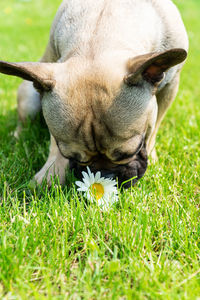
(99, 189)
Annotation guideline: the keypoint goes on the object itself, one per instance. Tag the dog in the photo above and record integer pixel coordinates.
(109, 73)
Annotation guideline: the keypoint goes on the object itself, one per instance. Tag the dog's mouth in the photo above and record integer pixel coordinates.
(127, 174)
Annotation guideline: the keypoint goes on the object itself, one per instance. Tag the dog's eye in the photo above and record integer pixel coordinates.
(84, 163)
(120, 156)
(81, 163)
(74, 156)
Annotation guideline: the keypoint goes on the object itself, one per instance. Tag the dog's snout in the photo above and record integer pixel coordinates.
(126, 175)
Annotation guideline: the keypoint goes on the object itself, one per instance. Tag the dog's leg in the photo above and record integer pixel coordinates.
(55, 166)
(28, 99)
(28, 104)
(164, 99)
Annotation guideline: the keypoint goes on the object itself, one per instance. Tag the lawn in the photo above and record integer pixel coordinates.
(54, 245)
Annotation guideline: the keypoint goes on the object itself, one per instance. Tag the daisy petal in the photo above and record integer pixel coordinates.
(89, 172)
(85, 175)
(82, 189)
(79, 183)
(97, 176)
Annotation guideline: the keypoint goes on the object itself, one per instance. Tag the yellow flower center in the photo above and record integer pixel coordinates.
(97, 190)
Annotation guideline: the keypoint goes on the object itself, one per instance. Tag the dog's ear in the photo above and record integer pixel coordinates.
(151, 66)
(41, 74)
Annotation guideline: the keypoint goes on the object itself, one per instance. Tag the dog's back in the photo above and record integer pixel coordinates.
(98, 28)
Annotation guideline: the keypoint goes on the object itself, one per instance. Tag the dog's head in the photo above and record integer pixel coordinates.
(98, 117)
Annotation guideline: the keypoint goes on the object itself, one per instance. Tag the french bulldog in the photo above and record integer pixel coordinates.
(109, 73)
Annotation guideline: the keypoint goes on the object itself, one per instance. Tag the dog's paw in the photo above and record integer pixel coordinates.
(154, 157)
(52, 169)
(17, 131)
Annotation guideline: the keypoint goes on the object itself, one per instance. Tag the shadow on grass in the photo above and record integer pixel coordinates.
(22, 158)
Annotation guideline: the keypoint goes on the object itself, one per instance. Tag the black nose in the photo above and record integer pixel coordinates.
(129, 174)
(107, 174)
(126, 175)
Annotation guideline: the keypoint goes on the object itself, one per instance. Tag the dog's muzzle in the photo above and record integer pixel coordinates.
(127, 175)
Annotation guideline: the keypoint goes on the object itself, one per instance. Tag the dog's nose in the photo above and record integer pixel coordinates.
(107, 174)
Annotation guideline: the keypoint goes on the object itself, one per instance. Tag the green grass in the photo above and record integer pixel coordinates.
(53, 245)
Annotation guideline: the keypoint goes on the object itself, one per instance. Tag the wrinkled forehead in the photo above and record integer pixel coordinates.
(130, 108)
(92, 126)
(95, 105)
